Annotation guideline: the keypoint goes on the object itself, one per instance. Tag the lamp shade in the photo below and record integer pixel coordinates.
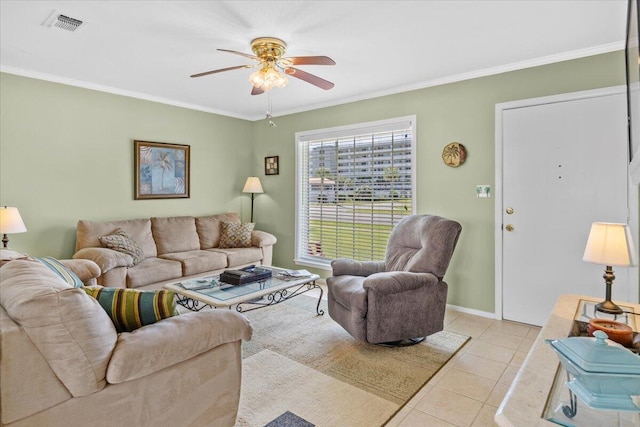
(11, 221)
(253, 185)
(610, 244)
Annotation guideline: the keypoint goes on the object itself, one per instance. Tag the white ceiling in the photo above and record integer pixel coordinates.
(148, 49)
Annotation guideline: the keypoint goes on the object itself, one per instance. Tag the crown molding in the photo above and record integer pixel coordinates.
(116, 91)
(566, 56)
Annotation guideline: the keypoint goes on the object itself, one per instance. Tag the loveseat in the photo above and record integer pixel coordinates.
(172, 248)
(62, 363)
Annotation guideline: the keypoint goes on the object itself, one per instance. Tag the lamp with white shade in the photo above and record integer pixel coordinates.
(610, 244)
(10, 223)
(252, 186)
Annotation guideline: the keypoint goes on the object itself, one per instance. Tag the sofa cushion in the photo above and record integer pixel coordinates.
(152, 270)
(235, 235)
(28, 383)
(88, 232)
(240, 256)
(194, 262)
(208, 228)
(62, 271)
(130, 309)
(175, 234)
(120, 241)
(68, 327)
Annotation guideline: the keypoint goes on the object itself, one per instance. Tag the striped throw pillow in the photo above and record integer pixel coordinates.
(131, 309)
(62, 271)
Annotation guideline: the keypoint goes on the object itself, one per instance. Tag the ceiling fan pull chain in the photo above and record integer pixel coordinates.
(269, 111)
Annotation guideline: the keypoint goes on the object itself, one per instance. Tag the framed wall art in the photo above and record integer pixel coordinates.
(161, 170)
(271, 165)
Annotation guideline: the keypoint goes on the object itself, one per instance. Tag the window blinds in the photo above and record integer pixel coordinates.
(354, 185)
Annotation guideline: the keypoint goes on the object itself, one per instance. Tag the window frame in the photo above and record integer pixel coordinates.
(392, 124)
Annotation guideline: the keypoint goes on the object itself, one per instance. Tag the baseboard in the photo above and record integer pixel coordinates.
(472, 311)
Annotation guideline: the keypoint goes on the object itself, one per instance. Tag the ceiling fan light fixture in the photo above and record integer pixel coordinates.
(274, 67)
(267, 78)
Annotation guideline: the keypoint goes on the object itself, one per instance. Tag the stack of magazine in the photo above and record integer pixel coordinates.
(293, 274)
(198, 284)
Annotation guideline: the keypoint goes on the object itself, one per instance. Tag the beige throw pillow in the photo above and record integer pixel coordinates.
(120, 241)
(235, 235)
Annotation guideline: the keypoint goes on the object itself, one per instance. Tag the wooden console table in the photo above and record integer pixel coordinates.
(526, 400)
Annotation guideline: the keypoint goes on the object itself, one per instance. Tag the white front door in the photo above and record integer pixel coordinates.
(563, 167)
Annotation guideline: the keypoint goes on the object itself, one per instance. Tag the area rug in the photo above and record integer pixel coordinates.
(308, 365)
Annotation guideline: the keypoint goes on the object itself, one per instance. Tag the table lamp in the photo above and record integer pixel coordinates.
(252, 186)
(10, 223)
(610, 244)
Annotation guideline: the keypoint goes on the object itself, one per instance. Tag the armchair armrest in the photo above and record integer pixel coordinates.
(394, 282)
(85, 269)
(173, 340)
(262, 238)
(106, 259)
(345, 266)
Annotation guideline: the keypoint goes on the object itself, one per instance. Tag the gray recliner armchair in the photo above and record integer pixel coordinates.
(402, 300)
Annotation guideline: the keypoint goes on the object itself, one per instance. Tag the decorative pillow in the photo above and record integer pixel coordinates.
(235, 235)
(61, 270)
(131, 309)
(120, 241)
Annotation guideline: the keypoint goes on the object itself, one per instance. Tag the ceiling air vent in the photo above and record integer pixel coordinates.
(62, 21)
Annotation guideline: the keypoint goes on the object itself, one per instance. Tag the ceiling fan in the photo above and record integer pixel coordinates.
(274, 68)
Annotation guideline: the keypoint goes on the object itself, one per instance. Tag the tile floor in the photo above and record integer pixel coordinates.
(467, 391)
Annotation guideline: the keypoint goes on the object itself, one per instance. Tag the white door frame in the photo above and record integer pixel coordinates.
(632, 190)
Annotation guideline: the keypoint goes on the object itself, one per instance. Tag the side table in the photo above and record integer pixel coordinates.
(536, 392)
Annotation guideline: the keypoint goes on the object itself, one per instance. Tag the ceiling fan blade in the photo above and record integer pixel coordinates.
(235, 52)
(309, 78)
(308, 60)
(237, 67)
(256, 91)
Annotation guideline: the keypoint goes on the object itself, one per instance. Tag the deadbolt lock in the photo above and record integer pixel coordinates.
(509, 227)
(509, 211)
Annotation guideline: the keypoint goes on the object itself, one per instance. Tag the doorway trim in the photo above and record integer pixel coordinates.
(632, 190)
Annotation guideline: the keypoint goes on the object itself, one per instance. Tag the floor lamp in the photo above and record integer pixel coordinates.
(252, 186)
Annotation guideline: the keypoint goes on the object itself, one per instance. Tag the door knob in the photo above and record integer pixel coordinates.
(509, 227)
(509, 211)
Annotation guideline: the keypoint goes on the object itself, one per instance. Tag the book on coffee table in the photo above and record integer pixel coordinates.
(245, 275)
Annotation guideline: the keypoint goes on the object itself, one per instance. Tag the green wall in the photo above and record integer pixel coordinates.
(66, 153)
(462, 112)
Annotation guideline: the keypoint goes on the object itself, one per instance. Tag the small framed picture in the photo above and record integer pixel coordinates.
(271, 166)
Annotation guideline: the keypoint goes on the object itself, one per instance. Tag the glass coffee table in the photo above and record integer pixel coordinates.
(196, 294)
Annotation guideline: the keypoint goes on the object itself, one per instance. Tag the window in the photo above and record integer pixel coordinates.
(353, 185)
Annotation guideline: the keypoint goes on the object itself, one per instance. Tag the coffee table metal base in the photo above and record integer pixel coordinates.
(273, 298)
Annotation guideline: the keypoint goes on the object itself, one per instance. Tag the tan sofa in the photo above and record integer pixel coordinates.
(174, 248)
(63, 364)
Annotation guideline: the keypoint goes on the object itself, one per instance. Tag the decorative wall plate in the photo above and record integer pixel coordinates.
(454, 154)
